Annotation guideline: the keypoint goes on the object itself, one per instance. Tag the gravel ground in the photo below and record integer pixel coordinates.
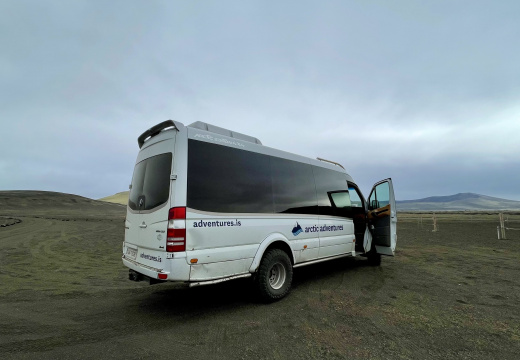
(64, 293)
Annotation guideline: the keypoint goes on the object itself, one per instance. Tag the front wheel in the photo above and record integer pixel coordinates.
(274, 277)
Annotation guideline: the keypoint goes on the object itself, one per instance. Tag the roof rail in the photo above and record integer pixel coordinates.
(154, 130)
(332, 162)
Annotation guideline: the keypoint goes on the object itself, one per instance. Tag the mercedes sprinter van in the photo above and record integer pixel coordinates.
(208, 205)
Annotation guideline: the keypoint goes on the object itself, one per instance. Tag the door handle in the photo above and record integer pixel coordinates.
(143, 225)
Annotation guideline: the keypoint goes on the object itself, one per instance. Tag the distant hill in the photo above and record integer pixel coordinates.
(119, 198)
(34, 202)
(458, 202)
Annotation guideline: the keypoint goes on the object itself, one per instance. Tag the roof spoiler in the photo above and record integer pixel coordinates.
(151, 132)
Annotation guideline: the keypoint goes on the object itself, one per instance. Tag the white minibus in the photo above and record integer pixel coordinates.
(208, 205)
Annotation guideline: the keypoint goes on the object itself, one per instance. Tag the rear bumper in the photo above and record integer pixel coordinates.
(175, 269)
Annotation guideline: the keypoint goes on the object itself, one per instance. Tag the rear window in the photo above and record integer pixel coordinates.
(151, 182)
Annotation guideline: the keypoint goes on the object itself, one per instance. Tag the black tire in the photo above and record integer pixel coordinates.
(274, 277)
(374, 259)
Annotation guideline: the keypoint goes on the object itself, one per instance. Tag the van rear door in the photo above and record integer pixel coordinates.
(149, 201)
(382, 217)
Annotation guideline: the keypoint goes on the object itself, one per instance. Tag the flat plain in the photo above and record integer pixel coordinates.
(64, 293)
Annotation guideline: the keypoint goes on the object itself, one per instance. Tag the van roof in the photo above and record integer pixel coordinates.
(218, 130)
(200, 125)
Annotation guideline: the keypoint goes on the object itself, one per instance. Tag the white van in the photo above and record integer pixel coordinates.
(208, 205)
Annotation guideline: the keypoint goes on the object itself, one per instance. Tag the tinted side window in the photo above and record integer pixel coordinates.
(327, 183)
(151, 182)
(340, 199)
(224, 179)
(355, 197)
(293, 187)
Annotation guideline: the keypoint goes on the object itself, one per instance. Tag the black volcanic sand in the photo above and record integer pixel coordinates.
(64, 293)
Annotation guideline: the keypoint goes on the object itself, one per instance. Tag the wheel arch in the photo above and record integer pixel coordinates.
(273, 241)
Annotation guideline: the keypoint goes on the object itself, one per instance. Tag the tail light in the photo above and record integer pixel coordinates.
(176, 236)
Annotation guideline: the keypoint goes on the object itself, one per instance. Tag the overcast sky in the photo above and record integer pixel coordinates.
(425, 92)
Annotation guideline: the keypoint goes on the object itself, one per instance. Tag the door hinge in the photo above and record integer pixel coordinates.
(173, 177)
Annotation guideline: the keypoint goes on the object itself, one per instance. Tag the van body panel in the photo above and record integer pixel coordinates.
(335, 245)
(227, 253)
(151, 258)
(235, 236)
(305, 249)
(336, 236)
(216, 270)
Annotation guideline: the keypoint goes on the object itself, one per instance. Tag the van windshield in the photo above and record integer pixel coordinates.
(151, 182)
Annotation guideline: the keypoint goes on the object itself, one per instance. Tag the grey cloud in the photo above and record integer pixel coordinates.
(385, 87)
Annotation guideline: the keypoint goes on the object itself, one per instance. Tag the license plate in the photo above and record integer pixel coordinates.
(131, 253)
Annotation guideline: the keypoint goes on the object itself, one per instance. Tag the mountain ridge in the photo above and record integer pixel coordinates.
(459, 202)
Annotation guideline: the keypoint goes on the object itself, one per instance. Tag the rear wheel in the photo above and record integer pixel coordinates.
(274, 277)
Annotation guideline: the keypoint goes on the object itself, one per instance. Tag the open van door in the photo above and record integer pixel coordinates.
(382, 217)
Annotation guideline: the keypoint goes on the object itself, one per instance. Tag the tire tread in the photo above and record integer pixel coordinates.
(266, 293)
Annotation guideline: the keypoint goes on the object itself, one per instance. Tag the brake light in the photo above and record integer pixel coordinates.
(176, 235)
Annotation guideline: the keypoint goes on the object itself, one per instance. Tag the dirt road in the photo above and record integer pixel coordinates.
(451, 294)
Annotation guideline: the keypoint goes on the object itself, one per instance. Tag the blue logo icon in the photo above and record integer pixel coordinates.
(297, 229)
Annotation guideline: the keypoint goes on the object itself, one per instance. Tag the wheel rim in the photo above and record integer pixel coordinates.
(277, 276)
